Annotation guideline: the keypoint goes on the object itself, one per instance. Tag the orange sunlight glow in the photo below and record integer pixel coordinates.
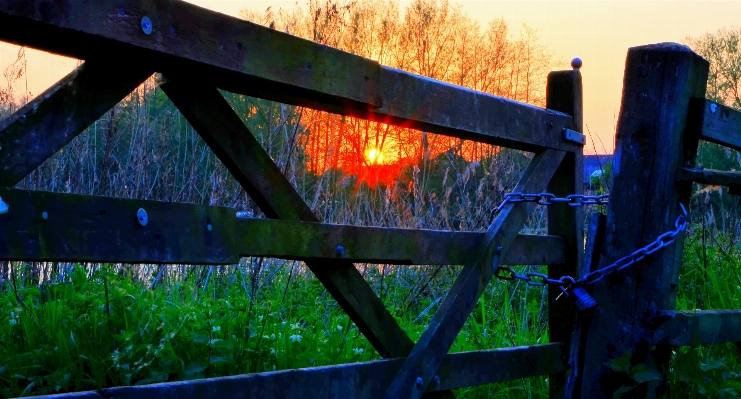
(374, 156)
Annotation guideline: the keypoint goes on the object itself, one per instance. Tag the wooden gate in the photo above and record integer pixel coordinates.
(123, 42)
(198, 52)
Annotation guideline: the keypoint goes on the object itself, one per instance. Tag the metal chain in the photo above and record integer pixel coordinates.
(540, 280)
(550, 199)
(662, 241)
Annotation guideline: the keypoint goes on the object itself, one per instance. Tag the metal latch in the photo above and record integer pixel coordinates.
(574, 136)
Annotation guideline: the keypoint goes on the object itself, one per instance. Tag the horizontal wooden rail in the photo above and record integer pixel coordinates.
(43, 226)
(355, 380)
(299, 240)
(701, 327)
(718, 123)
(243, 57)
(732, 180)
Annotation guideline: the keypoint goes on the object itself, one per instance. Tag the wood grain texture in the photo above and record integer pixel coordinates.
(592, 250)
(564, 93)
(206, 44)
(238, 56)
(355, 380)
(99, 229)
(701, 327)
(732, 180)
(659, 82)
(719, 124)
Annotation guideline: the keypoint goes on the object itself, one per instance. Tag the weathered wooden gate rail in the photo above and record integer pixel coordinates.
(67, 227)
(197, 51)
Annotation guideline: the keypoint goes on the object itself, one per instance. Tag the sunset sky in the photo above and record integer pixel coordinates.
(599, 32)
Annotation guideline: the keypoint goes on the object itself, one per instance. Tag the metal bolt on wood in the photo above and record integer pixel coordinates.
(141, 217)
(146, 25)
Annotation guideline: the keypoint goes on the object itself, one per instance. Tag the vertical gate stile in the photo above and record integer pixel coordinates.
(651, 145)
(564, 94)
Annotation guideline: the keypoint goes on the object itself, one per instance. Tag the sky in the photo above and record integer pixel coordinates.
(598, 32)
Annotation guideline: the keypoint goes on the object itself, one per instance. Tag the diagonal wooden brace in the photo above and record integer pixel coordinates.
(42, 127)
(422, 363)
(213, 118)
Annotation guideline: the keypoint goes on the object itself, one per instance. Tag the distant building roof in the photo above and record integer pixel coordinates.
(594, 163)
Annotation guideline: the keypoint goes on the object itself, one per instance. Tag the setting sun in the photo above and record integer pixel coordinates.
(374, 156)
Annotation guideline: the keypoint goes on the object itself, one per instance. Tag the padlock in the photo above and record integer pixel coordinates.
(583, 300)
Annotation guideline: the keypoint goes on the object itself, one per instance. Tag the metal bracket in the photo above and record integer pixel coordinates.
(574, 136)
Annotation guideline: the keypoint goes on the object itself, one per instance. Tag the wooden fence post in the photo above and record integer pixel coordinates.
(564, 94)
(619, 354)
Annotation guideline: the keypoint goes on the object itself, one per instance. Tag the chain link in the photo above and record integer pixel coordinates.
(662, 241)
(540, 280)
(550, 199)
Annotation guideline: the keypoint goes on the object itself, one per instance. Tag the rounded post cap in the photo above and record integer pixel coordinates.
(576, 63)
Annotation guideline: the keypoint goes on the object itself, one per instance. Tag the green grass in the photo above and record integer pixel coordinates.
(104, 330)
(100, 328)
(709, 280)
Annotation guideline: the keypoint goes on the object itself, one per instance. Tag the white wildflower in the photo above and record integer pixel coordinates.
(296, 338)
(339, 328)
(13, 322)
(215, 328)
(272, 336)
(357, 351)
(272, 351)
